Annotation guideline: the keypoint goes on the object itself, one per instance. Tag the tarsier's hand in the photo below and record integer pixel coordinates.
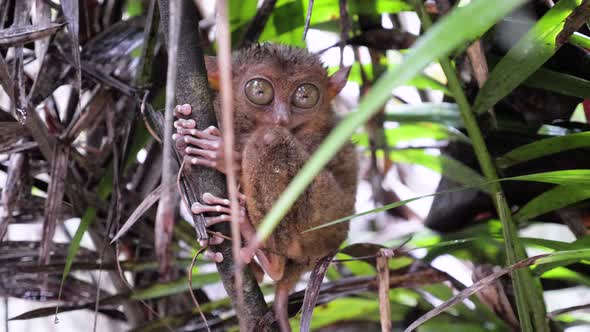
(212, 203)
(200, 147)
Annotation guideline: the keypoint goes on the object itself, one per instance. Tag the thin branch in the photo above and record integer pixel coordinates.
(167, 203)
(467, 292)
(258, 23)
(225, 69)
(307, 19)
(190, 288)
(383, 280)
(344, 28)
(479, 65)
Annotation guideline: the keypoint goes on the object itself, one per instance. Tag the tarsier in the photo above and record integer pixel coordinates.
(282, 112)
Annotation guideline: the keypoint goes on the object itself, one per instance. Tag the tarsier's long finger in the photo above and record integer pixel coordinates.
(212, 199)
(187, 127)
(199, 208)
(201, 152)
(202, 143)
(185, 124)
(210, 133)
(190, 160)
(209, 198)
(217, 219)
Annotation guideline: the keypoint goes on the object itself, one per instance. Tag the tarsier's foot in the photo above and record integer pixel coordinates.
(200, 147)
(270, 263)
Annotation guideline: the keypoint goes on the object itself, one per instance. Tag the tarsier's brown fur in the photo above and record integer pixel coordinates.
(274, 150)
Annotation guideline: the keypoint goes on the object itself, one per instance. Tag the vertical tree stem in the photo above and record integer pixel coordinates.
(168, 200)
(192, 88)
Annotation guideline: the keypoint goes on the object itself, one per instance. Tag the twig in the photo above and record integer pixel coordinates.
(478, 61)
(307, 19)
(258, 23)
(166, 206)
(225, 70)
(383, 280)
(344, 28)
(190, 288)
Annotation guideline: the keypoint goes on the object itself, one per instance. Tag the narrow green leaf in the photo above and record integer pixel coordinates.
(174, 287)
(571, 177)
(445, 165)
(240, 12)
(444, 113)
(566, 177)
(552, 199)
(104, 190)
(406, 133)
(580, 40)
(342, 310)
(543, 148)
(329, 10)
(554, 81)
(451, 31)
(530, 53)
(568, 255)
(551, 244)
(285, 24)
(565, 274)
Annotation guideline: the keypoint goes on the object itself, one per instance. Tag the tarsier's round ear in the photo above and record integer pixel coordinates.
(212, 71)
(337, 81)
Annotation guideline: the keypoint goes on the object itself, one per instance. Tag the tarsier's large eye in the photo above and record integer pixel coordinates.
(306, 96)
(259, 91)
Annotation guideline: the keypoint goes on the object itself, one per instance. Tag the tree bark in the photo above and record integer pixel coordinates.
(192, 88)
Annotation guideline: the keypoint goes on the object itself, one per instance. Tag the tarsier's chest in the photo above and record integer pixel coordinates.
(271, 158)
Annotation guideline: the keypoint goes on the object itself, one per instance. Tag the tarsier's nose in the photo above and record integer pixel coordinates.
(281, 115)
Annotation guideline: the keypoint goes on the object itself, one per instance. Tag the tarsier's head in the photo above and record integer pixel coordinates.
(278, 85)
